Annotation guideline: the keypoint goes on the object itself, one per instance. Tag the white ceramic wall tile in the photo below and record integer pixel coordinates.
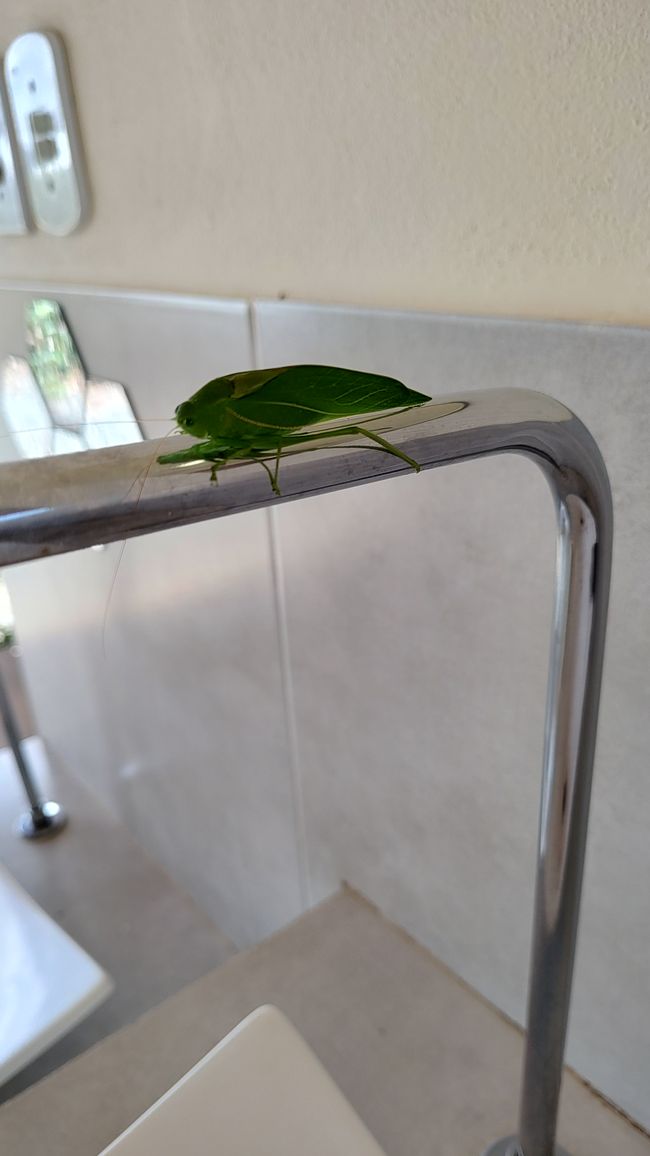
(205, 769)
(418, 621)
(175, 716)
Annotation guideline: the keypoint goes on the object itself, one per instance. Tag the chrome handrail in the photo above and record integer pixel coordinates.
(54, 505)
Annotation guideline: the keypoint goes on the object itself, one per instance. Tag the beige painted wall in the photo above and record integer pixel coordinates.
(486, 156)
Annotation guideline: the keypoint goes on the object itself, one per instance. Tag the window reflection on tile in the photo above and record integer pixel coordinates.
(48, 404)
(66, 441)
(25, 413)
(110, 421)
(55, 362)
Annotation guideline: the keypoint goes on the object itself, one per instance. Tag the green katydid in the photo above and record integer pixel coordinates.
(259, 414)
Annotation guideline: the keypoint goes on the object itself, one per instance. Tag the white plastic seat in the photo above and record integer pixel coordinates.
(48, 983)
(260, 1092)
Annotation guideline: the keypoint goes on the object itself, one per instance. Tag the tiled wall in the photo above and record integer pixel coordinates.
(354, 687)
(168, 699)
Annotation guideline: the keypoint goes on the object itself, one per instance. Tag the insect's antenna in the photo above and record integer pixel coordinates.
(111, 589)
(109, 597)
(31, 429)
(148, 467)
(52, 429)
(83, 425)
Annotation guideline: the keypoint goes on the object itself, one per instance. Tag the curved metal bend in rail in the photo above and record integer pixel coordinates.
(65, 503)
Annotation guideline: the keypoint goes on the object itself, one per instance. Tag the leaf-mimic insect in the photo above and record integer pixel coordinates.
(257, 415)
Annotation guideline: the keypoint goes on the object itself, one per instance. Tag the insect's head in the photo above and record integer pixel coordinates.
(186, 418)
(196, 416)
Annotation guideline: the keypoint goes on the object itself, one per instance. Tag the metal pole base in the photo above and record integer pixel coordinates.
(43, 821)
(510, 1147)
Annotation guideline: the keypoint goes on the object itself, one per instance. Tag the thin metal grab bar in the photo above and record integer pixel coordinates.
(44, 818)
(66, 503)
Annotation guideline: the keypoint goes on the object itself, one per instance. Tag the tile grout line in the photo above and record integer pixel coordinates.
(279, 596)
(297, 795)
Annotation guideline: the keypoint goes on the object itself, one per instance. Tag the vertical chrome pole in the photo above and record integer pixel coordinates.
(44, 817)
(582, 589)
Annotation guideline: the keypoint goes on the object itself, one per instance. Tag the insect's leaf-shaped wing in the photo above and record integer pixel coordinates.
(303, 395)
(252, 380)
(210, 397)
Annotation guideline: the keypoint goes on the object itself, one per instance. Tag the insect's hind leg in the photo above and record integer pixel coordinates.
(390, 449)
(299, 439)
(274, 483)
(272, 474)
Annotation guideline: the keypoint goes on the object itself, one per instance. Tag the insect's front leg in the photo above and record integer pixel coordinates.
(207, 451)
(218, 457)
(200, 452)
